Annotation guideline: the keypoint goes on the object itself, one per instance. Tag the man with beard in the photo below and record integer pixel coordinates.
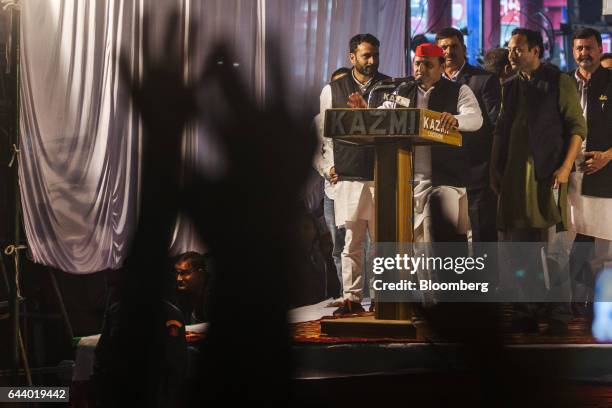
(537, 137)
(590, 188)
(350, 169)
(482, 202)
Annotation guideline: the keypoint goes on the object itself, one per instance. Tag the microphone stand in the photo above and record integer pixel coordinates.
(381, 85)
(409, 81)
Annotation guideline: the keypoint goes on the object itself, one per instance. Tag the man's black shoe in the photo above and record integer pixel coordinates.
(349, 307)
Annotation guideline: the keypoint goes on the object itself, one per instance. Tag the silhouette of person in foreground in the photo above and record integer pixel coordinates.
(247, 214)
(246, 218)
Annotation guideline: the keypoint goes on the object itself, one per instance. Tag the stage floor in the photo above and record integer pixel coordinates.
(306, 326)
(323, 357)
(572, 370)
(320, 357)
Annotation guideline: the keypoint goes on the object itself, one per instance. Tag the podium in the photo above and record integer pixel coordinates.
(394, 133)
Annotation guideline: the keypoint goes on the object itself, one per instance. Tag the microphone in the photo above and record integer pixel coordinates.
(408, 81)
(386, 84)
(380, 86)
(405, 82)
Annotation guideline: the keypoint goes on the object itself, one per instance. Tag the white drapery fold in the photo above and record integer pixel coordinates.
(315, 36)
(80, 138)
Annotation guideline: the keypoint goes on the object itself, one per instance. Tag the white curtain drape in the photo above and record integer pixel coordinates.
(80, 138)
(315, 36)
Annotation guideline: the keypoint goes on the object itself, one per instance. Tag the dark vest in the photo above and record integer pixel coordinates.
(352, 162)
(449, 164)
(548, 140)
(599, 125)
(479, 143)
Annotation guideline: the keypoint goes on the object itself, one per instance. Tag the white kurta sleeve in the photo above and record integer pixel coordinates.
(325, 99)
(470, 116)
(325, 160)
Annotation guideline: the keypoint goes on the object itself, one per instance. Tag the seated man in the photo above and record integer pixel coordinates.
(193, 286)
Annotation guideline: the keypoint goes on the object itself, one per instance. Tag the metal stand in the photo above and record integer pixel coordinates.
(18, 349)
(60, 301)
(12, 280)
(11, 276)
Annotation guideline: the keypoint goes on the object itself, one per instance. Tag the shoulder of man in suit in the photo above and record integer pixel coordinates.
(473, 70)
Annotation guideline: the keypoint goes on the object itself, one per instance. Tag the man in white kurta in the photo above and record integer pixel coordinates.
(351, 174)
(353, 210)
(590, 214)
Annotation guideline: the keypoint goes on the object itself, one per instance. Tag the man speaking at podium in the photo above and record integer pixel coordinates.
(350, 169)
(440, 171)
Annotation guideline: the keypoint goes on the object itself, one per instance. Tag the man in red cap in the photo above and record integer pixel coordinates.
(440, 171)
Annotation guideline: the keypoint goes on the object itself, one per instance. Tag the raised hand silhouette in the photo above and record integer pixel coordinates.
(246, 217)
(165, 103)
(268, 149)
(162, 76)
(248, 220)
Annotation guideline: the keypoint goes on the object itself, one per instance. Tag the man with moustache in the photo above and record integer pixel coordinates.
(536, 140)
(590, 189)
(350, 169)
(482, 202)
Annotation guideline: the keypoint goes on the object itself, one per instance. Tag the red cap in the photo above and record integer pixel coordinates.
(429, 50)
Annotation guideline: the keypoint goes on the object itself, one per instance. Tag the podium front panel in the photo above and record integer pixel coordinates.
(370, 126)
